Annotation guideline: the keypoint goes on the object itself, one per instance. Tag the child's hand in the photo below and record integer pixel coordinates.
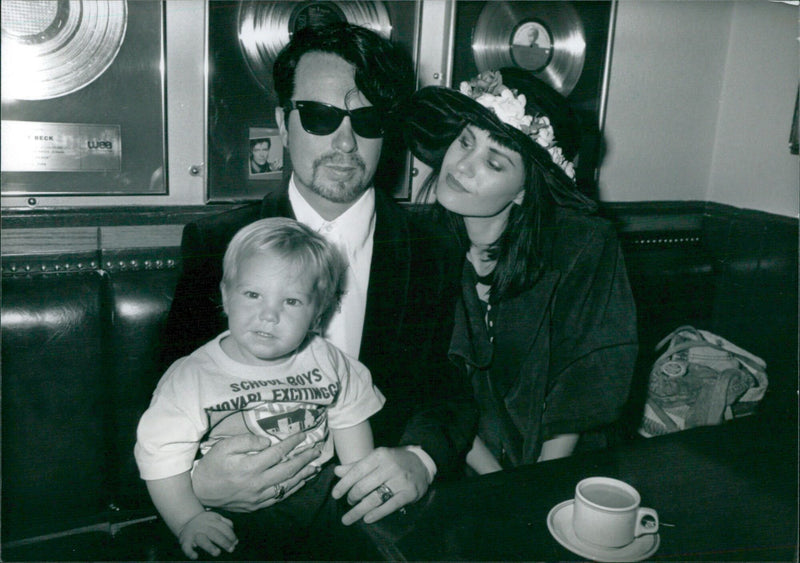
(207, 530)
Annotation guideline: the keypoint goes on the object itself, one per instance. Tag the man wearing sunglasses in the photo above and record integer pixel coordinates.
(336, 87)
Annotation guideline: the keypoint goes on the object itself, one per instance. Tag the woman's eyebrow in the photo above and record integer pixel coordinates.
(502, 153)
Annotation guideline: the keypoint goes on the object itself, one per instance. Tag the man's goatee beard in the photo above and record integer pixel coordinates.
(340, 192)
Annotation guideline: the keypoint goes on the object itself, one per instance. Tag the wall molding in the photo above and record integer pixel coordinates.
(130, 239)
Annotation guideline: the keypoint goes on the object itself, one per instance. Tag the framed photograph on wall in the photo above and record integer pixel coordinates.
(244, 38)
(266, 154)
(83, 108)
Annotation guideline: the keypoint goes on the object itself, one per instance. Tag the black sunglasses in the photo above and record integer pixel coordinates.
(323, 119)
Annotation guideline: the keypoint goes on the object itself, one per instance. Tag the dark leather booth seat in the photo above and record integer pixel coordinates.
(731, 271)
(80, 359)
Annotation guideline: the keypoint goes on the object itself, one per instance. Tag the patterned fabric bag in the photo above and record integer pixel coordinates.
(701, 379)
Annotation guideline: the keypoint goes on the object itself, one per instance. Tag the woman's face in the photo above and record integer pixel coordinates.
(479, 177)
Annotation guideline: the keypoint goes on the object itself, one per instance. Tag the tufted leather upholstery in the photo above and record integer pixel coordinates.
(80, 359)
(56, 411)
(80, 355)
(139, 305)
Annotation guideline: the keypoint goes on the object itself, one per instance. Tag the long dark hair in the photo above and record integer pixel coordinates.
(519, 252)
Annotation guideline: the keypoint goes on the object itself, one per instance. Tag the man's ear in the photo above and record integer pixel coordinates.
(282, 125)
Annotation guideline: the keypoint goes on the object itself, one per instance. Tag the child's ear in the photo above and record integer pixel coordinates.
(224, 296)
(316, 326)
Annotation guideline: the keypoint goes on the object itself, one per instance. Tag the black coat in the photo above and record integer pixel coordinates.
(407, 327)
(563, 352)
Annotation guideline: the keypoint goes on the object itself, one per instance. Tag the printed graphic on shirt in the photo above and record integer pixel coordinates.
(274, 420)
(285, 424)
(275, 408)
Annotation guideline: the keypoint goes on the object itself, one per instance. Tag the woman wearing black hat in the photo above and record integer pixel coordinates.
(546, 324)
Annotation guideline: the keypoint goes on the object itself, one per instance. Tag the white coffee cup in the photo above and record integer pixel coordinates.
(607, 513)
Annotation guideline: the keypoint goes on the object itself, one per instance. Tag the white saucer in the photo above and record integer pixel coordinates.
(559, 522)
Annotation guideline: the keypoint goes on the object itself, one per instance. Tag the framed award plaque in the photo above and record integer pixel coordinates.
(83, 97)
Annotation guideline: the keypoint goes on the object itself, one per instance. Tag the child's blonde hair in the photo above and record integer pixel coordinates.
(294, 242)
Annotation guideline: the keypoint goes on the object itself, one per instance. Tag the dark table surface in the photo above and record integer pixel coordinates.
(730, 492)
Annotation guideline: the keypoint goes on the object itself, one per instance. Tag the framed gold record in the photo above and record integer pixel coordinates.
(265, 28)
(54, 48)
(564, 43)
(83, 98)
(546, 38)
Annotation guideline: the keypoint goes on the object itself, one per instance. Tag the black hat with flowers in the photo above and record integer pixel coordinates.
(514, 106)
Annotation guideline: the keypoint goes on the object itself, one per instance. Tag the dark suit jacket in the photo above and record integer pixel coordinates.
(408, 323)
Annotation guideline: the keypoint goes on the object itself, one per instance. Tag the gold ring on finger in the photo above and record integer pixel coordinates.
(385, 492)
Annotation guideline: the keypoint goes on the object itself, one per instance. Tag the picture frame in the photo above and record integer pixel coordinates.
(559, 26)
(91, 126)
(266, 154)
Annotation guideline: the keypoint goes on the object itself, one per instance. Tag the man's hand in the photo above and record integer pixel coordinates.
(209, 531)
(397, 468)
(245, 473)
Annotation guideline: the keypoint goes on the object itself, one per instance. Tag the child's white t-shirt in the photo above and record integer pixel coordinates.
(207, 396)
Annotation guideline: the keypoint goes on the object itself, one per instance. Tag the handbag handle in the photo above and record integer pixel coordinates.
(754, 367)
(757, 371)
(671, 335)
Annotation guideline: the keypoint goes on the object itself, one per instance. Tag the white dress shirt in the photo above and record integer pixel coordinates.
(352, 232)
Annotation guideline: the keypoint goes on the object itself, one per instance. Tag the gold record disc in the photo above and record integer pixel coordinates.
(54, 47)
(546, 38)
(266, 27)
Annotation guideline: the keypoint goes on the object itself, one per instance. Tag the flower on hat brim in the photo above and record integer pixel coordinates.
(509, 106)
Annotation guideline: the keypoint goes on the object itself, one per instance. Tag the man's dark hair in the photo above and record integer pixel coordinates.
(383, 71)
(254, 142)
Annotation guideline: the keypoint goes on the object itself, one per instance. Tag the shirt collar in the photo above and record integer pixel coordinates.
(353, 228)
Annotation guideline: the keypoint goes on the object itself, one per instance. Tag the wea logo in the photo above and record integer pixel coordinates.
(96, 144)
